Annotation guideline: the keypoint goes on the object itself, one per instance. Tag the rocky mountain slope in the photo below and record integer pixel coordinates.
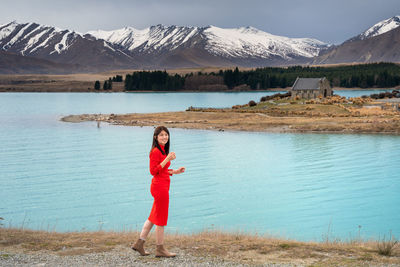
(381, 42)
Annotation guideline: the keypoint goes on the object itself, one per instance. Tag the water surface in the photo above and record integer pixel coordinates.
(73, 177)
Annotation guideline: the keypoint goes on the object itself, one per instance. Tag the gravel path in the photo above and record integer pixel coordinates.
(120, 256)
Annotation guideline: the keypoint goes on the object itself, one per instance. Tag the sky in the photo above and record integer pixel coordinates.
(330, 21)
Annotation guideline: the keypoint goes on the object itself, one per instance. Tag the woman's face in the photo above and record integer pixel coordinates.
(162, 138)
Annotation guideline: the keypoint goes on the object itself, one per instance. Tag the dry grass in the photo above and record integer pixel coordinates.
(238, 247)
(387, 246)
(78, 82)
(54, 83)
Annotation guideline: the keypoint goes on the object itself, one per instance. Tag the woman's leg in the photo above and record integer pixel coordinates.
(161, 251)
(146, 229)
(159, 235)
(139, 245)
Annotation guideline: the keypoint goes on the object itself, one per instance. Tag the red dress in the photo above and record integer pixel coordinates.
(159, 187)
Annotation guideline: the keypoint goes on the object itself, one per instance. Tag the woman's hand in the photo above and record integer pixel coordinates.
(180, 170)
(171, 156)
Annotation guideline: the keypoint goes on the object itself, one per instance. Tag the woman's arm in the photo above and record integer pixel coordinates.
(177, 171)
(171, 156)
(155, 166)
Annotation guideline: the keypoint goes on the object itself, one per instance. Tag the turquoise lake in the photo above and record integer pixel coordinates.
(77, 177)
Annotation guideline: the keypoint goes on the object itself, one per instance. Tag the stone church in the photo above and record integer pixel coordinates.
(308, 88)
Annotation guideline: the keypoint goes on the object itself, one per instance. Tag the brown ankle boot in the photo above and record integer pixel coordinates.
(138, 246)
(163, 252)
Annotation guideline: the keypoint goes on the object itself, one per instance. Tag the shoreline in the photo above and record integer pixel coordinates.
(230, 120)
(29, 247)
(121, 90)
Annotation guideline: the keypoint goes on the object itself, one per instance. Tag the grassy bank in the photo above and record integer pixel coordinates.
(236, 247)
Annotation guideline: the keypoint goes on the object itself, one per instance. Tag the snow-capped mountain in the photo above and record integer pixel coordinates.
(154, 38)
(242, 42)
(380, 28)
(157, 46)
(31, 36)
(61, 46)
(178, 46)
(380, 43)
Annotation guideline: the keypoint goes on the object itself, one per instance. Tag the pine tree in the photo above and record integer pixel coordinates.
(109, 87)
(97, 85)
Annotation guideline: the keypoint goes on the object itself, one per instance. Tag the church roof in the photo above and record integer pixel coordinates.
(307, 83)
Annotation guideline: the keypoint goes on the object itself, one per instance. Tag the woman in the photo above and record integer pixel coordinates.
(160, 158)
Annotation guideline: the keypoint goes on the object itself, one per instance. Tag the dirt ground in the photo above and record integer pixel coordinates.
(234, 247)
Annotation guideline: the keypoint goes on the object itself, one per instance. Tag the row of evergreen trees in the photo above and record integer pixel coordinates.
(364, 76)
(153, 80)
(107, 85)
(381, 75)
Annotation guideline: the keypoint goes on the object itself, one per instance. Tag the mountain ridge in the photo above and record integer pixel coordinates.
(173, 46)
(157, 46)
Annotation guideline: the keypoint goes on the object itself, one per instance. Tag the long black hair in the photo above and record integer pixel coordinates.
(157, 131)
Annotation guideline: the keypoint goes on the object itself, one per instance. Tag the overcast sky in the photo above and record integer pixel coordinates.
(331, 21)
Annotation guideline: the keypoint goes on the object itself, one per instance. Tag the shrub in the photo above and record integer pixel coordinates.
(374, 96)
(388, 94)
(252, 103)
(385, 247)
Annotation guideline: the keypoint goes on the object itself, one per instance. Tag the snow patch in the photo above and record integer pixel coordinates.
(7, 29)
(381, 27)
(107, 46)
(32, 41)
(62, 45)
(18, 35)
(44, 43)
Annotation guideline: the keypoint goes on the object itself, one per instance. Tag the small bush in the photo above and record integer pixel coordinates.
(374, 96)
(385, 247)
(284, 246)
(252, 103)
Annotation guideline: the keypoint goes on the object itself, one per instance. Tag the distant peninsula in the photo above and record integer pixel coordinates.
(274, 114)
